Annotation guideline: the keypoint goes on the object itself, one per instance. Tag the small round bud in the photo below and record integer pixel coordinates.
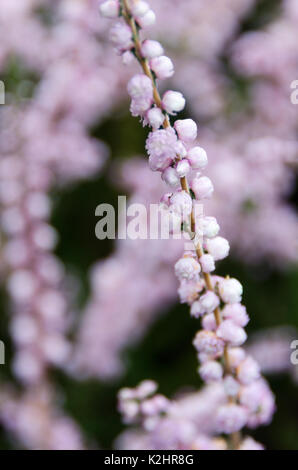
(139, 8)
(231, 333)
(109, 9)
(218, 247)
(147, 20)
(170, 177)
(151, 49)
(207, 263)
(197, 158)
(162, 67)
(202, 187)
(230, 291)
(173, 102)
(186, 130)
(182, 168)
(155, 118)
(187, 268)
(211, 371)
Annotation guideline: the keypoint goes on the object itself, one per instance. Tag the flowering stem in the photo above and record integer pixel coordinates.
(183, 181)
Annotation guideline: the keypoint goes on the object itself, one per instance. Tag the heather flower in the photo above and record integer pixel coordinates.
(182, 168)
(230, 418)
(151, 49)
(188, 291)
(209, 322)
(181, 203)
(186, 130)
(197, 157)
(187, 268)
(173, 102)
(155, 117)
(146, 20)
(171, 177)
(202, 187)
(140, 106)
(206, 304)
(121, 36)
(248, 371)
(218, 247)
(209, 226)
(161, 148)
(207, 263)
(231, 386)
(140, 86)
(236, 356)
(237, 313)
(162, 66)
(211, 371)
(230, 291)
(139, 8)
(110, 9)
(250, 444)
(145, 389)
(231, 333)
(209, 343)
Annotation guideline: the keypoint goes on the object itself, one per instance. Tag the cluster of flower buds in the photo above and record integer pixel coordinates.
(34, 282)
(173, 151)
(142, 405)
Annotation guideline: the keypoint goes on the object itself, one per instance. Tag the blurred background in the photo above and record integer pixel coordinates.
(81, 318)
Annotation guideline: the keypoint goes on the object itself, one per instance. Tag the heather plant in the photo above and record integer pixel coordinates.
(172, 150)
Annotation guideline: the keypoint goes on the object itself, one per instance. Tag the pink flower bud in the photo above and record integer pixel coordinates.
(211, 371)
(127, 58)
(187, 268)
(209, 226)
(231, 333)
(209, 322)
(182, 168)
(181, 203)
(237, 313)
(218, 247)
(145, 389)
(155, 118)
(140, 86)
(140, 106)
(173, 102)
(139, 8)
(231, 386)
(151, 49)
(207, 304)
(248, 371)
(209, 343)
(230, 418)
(250, 444)
(146, 20)
(121, 36)
(161, 147)
(170, 177)
(230, 291)
(207, 263)
(197, 158)
(236, 355)
(109, 9)
(186, 130)
(202, 187)
(162, 67)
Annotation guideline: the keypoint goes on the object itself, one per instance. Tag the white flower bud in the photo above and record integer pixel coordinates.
(173, 102)
(155, 118)
(230, 291)
(109, 9)
(197, 158)
(183, 168)
(151, 49)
